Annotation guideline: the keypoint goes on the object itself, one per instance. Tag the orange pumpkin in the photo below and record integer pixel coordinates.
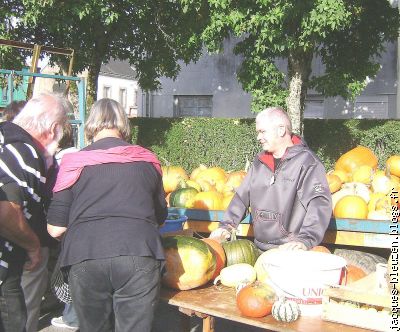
(172, 177)
(208, 200)
(334, 182)
(353, 273)
(351, 206)
(212, 175)
(196, 171)
(255, 300)
(235, 179)
(219, 253)
(205, 185)
(321, 249)
(393, 165)
(356, 157)
(363, 174)
(344, 176)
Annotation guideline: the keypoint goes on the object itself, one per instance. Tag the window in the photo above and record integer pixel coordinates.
(135, 97)
(122, 97)
(106, 91)
(193, 106)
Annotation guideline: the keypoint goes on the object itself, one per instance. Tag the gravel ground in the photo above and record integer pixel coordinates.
(167, 320)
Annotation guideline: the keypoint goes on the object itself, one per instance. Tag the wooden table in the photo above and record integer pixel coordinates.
(219, 301)
(352, 232)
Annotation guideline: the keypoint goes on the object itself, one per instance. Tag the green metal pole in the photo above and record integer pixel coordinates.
(10, 88)
(82, 110)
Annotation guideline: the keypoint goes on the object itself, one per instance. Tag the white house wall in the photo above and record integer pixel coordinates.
(115, 84)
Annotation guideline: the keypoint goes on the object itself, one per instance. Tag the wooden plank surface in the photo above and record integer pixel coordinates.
(220, 301)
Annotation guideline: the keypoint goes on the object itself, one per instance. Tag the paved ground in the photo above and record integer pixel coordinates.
(167, 320)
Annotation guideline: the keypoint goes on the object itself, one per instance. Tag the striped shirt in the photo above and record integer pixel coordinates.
(22, 180)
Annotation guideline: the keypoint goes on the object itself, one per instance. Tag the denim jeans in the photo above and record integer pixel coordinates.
(69, 315)
(12, 302)
(120, 292)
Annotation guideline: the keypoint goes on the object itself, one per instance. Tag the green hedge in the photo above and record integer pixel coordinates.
(230, 143)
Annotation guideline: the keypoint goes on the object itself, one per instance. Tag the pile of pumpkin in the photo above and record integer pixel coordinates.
(192, 262)
(206, 188)
(362, 191)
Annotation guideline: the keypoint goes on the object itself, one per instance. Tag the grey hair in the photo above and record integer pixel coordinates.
(107, 114)
(42, 111)
(278, 116)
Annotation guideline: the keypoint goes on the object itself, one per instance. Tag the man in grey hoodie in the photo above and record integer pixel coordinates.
(285, 188)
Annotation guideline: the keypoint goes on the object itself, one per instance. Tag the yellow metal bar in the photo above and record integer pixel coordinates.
(35, 60)
(373, 240)
(50, 49)
(71, 64)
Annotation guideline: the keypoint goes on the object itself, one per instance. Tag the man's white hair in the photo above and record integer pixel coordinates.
(42, 111)
(277, 116)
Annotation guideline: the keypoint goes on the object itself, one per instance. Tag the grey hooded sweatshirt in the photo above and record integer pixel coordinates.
(290, 203)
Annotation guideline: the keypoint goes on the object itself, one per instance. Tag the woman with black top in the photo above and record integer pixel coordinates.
(107, 206)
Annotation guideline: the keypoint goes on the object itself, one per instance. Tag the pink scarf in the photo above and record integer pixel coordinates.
(73, 163)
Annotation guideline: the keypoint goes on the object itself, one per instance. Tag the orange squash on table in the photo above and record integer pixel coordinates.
(189, 262)
(208, 200)
(353, 273)
(172, 176)
(219, 253)
(255, 300)
(356, 157)
(351, 206)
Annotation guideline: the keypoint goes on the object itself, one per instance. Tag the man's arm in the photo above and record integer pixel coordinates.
(316, 197)
(14, 228)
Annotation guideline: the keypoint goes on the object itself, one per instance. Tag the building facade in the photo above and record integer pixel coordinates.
(210, 88)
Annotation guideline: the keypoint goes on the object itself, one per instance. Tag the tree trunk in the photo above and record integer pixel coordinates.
(93, 76)
(299, 70)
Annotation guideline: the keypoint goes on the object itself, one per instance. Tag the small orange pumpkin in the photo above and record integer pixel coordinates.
(255, 300)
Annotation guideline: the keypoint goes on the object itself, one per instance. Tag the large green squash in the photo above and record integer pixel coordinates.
(240, 251)
(182, 197)
(190, 262)
(363, 260)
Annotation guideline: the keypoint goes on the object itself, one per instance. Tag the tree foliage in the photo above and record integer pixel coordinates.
(154, 36)
(347, 36)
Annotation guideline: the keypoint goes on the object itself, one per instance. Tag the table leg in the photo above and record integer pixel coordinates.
(208, 324)
(185, 322)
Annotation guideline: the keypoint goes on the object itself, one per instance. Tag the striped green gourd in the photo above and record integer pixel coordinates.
(285, 310)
